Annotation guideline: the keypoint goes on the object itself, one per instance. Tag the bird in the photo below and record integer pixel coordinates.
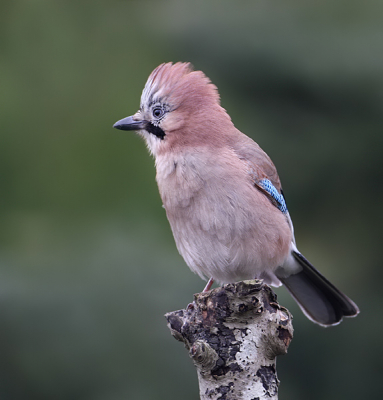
(222, 193)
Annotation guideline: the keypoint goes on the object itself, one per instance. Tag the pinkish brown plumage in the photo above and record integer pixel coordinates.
(222, 194)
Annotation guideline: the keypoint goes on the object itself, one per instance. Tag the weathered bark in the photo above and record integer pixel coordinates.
(233, 334)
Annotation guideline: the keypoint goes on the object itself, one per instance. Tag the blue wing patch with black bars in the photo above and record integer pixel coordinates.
(273, 192)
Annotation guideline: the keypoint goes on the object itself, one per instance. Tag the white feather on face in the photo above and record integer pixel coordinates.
(152, 142)
(155, 96)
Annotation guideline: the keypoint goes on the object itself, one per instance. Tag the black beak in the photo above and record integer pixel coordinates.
(129, 124)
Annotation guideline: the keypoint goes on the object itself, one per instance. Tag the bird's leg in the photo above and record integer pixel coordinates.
(208, 285)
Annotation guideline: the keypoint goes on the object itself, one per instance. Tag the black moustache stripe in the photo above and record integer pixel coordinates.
(155, 130)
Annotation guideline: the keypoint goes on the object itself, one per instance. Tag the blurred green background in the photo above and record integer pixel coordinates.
(88, 265)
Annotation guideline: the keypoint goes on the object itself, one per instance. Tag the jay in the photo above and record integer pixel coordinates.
(222, 194)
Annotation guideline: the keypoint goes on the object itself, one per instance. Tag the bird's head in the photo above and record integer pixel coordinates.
(178, 105)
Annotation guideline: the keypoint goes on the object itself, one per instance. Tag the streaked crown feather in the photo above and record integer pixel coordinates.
(178, 84)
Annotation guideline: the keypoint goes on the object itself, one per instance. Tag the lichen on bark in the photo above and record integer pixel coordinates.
(234, 334)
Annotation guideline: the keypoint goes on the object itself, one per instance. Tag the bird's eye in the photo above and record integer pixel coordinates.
(158, 112)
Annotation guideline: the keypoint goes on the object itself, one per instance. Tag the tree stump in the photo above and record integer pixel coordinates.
(233, 334)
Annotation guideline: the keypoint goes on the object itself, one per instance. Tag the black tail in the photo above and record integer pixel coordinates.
(318, 298)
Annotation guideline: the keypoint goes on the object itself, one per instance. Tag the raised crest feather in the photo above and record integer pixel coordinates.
(176, 83)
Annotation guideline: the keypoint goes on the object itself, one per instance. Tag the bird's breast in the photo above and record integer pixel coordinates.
(221, 223)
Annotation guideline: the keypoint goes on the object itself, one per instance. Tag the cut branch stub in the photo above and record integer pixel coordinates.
(233, 334)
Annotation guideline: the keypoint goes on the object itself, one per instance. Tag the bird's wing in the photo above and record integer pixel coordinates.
(248, 150)
(261, 170)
